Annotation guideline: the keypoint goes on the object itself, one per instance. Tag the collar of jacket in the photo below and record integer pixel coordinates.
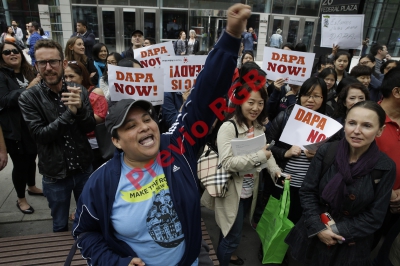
(243, 128)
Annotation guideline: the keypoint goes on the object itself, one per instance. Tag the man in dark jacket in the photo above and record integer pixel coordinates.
(58, 117)
(143, 205)
(137, 42)
(88, 37)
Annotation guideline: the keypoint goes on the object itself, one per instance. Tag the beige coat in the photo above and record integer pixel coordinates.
(226, 208)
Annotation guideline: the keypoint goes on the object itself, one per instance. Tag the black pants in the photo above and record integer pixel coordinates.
(24, 172)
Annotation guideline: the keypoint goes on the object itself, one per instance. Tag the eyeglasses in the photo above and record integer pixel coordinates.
(53, 63)
(364, 63)
(9, 51)
(314, 97)
(112, 63)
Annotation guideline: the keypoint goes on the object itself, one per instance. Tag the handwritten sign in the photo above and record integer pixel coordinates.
(295, 67)
(149, 56)
(305, 127)
(180, 72)
(343, 30)
(136, 83)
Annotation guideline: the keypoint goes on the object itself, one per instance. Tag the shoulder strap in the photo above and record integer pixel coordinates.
(329, 157)
(234, 124)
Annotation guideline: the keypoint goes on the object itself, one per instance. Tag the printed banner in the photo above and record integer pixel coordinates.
(136, 83)
(343, 30)
(295, 67)
(180, 72)
(308, 129)
(150, 56)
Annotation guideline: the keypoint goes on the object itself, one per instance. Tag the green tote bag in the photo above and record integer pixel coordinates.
(274, 226)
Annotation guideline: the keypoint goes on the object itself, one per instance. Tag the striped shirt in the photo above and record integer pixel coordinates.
(297, 167)
(248, 180)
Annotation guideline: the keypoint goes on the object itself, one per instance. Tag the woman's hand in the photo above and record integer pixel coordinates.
(34, 81)
(136, 262)
(266, 152)
(279, 83)
(293, 151)
(310, 154)
(278, 176)
(328, 237)
(335, 49)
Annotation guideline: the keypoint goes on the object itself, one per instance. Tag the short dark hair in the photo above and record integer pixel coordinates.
(96, 50)
(341, 109)
(375, 48)
(369, 56)
(246, 52)
(390, 81)
(48, 43)
(118, 58)
(82, 22)
(344, 82)
(128, 62)
(151, 40)
(309, 86)
(360, 70)
(300, 47)
(288, 45)
(35, 25)
(340, 54)
(326, 72)
(373, 106)
(387, 62)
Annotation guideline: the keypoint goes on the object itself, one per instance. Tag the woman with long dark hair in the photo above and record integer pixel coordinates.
(112, 59)
(17, 75)
(230, 211)
(341, 61)
(100, 53)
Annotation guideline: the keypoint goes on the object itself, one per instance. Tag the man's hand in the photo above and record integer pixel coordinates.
(72, 99)
(35, 81)
(3, 159)
(92, 74)
(395, 201)
(185, 95)
(293, 151)
(329, 238)
(237, 19)
(266, 152)
(136, 262)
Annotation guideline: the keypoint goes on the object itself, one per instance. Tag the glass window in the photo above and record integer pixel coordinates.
(93, 2)
(214, 4)
(109, 30)
(388, 15)
(86, 13)
(262, 6)
(174, 3)
(173, 22)
(150, 25)
(308, 7)
(308, 32)
(394, 43)
(292, 31)
(33, 4)
(129, 27)
(143, 2)
(284, 7)
(114, 2)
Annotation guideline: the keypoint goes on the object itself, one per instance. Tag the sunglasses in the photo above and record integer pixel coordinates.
(8, 52)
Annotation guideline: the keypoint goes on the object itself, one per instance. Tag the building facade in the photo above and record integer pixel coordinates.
(112, 21)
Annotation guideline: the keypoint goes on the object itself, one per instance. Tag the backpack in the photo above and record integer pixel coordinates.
(329, 159)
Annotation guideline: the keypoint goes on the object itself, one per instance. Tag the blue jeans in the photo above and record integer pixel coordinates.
(58, 194)
(227, 245)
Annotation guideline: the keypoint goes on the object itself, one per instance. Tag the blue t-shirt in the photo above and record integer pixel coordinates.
(144, 216)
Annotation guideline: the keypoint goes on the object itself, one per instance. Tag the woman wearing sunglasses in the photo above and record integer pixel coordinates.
(16, 75)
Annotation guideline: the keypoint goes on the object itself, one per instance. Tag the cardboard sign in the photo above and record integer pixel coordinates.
(308, 129)
(150, 56)
(180, 72)
(295, 67)
(136, 83)
(343, 30)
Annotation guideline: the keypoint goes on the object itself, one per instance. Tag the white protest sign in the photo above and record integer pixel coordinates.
(295, 67)
(136, 83)
(180, 72)
(149, 56)
(343, 30)
(305, 127)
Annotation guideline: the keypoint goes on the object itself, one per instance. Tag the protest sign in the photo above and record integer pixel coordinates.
(343, 30)
(308, 129)
(295, 67)
(136, 83)
(180, 72)
(149, 56)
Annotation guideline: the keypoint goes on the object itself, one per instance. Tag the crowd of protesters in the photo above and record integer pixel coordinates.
(50, 110)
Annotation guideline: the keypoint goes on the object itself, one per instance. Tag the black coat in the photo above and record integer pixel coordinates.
(48, 128)
(15, 131)
(361, 215)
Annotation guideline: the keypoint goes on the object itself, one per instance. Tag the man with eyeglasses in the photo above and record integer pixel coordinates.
(379, 51)
(33, 38)
(137, 42)
(59, 116)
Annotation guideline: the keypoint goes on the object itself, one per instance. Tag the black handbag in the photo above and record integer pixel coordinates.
(106, 147)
